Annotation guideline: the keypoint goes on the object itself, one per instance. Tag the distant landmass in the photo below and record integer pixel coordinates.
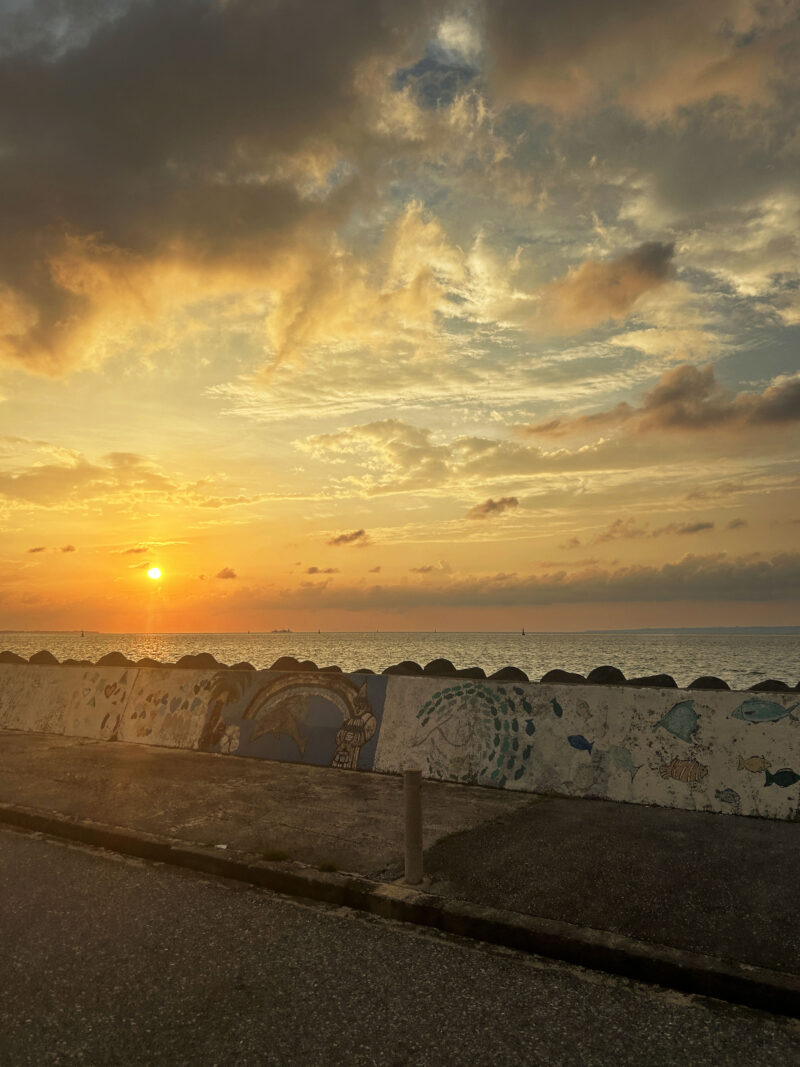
(702, 630)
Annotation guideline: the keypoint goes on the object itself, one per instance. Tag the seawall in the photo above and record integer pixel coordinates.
(697, 749)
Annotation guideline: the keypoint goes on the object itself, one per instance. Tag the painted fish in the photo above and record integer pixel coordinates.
(684, 770)
(728, 796)
(559, 711)
(579, 741)
(784, 777)
(623, 759)
(681, 720)
(754, 764)
(757, 710)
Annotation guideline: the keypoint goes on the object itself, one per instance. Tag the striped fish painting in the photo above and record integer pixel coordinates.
(684, 770)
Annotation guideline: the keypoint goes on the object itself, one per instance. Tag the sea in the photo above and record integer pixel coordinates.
(740, 658)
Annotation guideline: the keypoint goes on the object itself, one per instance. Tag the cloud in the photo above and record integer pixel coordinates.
(374, 570)
(651, 59)
(688, 399)
(135, 551)
(170, 114)
(493, 507)
(599, 291)
(620, 529)
(633, 529)
(357, 537)
(441, 567)
(39, 548)
(68, 548)
(737, 524)
(714, 577)
(320, 570)
(226, 572)
(683, 528)
(60, 478)
(73, 479)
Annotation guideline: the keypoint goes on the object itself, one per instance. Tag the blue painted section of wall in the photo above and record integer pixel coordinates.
(322, 719)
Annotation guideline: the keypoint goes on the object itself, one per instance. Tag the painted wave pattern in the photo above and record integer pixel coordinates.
(489, 725)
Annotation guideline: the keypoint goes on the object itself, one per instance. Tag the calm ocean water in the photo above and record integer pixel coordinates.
(741, 659)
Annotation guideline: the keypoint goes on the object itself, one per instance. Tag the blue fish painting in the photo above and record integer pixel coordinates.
(784, 777)
(579, 741)
(681, 721)
(559, 711)
(728, 796)
(756, 710)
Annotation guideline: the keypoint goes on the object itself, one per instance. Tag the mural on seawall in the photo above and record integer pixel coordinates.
(324, 719)
(710, 750)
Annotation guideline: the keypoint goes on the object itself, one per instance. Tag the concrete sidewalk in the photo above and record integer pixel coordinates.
(598, 882)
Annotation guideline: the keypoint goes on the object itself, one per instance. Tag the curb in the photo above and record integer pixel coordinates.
(687, 972)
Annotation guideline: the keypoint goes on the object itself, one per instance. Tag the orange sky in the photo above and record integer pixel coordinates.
(448, 316)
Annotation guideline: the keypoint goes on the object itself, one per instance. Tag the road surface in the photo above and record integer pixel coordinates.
(109, 960)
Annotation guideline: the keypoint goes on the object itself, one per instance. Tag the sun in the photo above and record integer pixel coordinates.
(154, 573)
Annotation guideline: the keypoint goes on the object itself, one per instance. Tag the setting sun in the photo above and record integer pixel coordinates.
(154, 573)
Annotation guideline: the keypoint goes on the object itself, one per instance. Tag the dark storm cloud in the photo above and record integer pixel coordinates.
(688, 398)
(152, 134)
(493, 507)
(357, 537)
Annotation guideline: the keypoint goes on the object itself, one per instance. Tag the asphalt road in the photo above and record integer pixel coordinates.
(105, 960)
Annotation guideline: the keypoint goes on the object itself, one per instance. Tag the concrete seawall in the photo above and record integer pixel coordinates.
(705, 750)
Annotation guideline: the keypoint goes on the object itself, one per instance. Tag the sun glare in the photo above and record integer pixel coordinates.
(154, 573)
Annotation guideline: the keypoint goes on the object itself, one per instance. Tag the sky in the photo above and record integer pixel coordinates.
(399, 314)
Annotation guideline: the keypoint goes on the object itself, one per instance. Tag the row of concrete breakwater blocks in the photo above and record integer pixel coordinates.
(440, 668)
(706, 749)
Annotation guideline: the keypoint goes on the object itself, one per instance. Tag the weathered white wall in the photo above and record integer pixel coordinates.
(682, 749)
(78, 701)
(706, 750)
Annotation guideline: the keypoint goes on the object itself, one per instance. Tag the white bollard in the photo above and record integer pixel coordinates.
(412, 788)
